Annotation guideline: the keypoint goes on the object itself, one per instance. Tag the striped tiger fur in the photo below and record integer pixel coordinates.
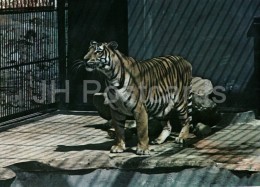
(146, 89)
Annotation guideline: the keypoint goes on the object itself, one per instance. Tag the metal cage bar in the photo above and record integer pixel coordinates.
(29, 56)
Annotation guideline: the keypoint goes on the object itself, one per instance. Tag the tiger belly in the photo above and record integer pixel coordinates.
(122, 101)
(166, 110)
(161, 107)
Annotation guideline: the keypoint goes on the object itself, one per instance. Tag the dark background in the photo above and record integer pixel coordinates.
(211, 34)
(98, 20)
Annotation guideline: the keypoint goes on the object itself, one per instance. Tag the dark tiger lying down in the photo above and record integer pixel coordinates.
(147, 89)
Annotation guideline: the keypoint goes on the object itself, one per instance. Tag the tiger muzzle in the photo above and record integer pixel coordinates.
(91, 64)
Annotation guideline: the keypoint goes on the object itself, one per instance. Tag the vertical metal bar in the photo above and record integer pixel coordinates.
(8, 73)
(5, 52)
(25, 68)
(14, 77)
(4, 77)
(9, 70)
(51, 28)
(257, 69)
(24, 102)
(61, 45)
(21, 82)
(1, 75)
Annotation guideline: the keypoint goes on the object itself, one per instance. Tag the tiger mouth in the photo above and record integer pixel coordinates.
(91, 65)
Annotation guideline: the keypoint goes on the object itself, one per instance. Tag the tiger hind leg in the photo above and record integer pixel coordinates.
(185, 116)
(167, 128)
(184, 134)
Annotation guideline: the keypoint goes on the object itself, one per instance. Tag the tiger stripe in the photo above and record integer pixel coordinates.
(144, 89)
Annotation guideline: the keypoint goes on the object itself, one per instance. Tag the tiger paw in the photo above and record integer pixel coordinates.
(156, 141)
(117, 149)
(163, 136)
(180, 140)
(183, 136)
(140, 151)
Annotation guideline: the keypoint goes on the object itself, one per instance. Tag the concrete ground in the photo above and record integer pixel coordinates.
(78, 142)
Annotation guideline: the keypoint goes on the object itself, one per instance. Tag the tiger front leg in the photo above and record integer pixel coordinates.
(141, 118)
(119, 125)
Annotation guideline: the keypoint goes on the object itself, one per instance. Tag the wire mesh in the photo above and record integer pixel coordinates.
(28, 57)
(13, 4)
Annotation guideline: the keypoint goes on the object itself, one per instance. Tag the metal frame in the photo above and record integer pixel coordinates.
(32, 55)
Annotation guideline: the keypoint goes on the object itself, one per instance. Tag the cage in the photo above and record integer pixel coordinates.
(44, 96)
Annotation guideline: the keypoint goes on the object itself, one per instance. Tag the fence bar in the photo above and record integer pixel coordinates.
(62, 45)
(29, 58)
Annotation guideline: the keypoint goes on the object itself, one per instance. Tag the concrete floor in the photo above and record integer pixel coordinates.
(76, 141)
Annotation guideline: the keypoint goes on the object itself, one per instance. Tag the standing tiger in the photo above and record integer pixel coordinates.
(146, 89)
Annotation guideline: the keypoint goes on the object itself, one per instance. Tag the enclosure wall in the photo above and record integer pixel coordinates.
(212, 35)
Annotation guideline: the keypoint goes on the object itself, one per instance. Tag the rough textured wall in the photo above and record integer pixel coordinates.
(211, 34)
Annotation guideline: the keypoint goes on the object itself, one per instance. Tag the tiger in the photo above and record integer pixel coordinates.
(147, 89)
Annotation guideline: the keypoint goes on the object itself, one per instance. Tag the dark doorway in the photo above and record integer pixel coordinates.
(92, 20)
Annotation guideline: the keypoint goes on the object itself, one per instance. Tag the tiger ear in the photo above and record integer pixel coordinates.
(93, 43)
(113, 45)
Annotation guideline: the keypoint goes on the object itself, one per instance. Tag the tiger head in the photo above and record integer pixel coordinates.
(99, 56)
